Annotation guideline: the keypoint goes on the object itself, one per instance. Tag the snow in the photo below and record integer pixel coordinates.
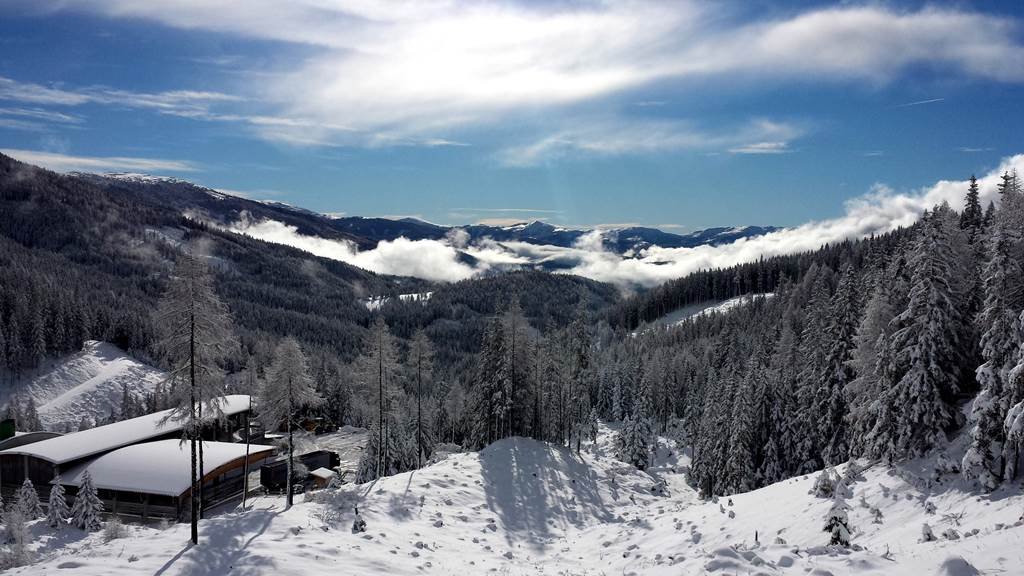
(112, 436)
(161, 467)
(524, 507)
(706, 308)
(375, 303)
(87, 383)
(323, 473)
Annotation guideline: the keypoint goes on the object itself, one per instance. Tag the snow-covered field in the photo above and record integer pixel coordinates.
(706, 308)
(523, 507)
(88, 383)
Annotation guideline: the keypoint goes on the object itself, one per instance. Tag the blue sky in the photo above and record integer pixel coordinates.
(678, 115)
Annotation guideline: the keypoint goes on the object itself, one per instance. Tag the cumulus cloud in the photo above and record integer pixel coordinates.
(878, 211)
(67, 163)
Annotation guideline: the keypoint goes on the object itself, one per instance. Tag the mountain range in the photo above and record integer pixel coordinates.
(367, 232)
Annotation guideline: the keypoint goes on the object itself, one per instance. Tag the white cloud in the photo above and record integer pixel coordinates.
(630, 137)
(181, 102)
(878, 211)
(405, 71)
(68, 163)
(762, 148)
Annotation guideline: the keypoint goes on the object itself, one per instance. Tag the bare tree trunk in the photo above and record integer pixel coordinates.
(419, 410)
(291, 448)
(245, 472)
(202, 468)
(193, 497)
(380, 404)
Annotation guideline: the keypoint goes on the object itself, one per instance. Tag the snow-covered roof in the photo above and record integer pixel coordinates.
(100, 439)
(323, 473)
(160, 467)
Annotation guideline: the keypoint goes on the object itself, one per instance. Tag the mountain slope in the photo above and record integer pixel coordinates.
(88, 384)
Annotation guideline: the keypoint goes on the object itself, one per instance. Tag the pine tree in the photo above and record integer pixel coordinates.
(830, 400)
(287, 389)
(632, 444)
(999, 344)
(972, 218)
(28, 501)
(196, 336)
(87, 510)
(866, 389)
(30, 416)
(925, 347)
(57, 512)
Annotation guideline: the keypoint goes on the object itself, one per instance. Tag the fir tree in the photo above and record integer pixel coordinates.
(925, 347)
(28, 501)
(999, 344)
(57, 512)
(87, 510)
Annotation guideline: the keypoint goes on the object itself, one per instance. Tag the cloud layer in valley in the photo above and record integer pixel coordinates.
(880, 210)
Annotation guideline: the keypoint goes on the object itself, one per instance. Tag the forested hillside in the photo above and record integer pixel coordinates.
(87, 262)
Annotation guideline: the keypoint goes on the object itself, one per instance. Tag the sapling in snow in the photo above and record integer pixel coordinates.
(837, 524)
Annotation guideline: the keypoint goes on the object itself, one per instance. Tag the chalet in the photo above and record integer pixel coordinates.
(123, 449)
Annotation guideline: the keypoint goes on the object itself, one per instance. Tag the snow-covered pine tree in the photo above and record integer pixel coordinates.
(87, 510)
(490, 402)
(592, 425)
(617, 412)
(865, 390)
(740, 466)
(30, 415)
(196, 336)
(837, 523)
(814, 345)
(28, 501)
(925, 348)
(1000, 342)
(830, 398)
(632, 444)
(288, 388)
(57, 512)
(972, 218)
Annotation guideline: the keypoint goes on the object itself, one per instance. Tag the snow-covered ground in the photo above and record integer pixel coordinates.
(706, 308)
(524, 507)
(376, 302)
(87, 383)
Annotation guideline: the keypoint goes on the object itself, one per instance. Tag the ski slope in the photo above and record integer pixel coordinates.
(524, 507)
(87, 383)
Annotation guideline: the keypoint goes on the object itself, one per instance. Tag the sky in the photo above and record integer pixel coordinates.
(679, 115)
